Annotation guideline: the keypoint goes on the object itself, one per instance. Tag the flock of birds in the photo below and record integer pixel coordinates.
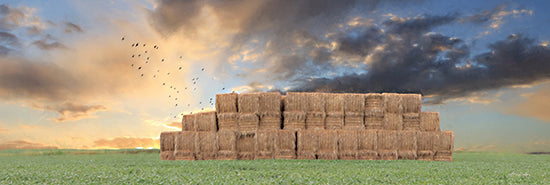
(145, 63)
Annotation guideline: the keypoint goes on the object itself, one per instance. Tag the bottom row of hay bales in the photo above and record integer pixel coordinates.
(307, 144)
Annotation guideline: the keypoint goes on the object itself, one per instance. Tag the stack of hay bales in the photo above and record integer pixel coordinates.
(270, 111)
(374, 111)
(184, 145)
(226, 109)
(248, 105)
(367, 145)
(285, 144)
(295, 105)
(328, 144)
(354, 110)
(315, 115)
(412, 105)
(443, 146)
(334, 108)
(393, 118)
(167, 145)
(347, 144)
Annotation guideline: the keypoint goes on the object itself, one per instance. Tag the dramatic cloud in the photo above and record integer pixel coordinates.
(495, 17)
(71, 27)
(24, 144)
(8, 42)
(71, 111)
(126, 142)
(536, 105)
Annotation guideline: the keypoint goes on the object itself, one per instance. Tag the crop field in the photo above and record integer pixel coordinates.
(133, 167)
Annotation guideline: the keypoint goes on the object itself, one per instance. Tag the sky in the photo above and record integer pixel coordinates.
(114, 74)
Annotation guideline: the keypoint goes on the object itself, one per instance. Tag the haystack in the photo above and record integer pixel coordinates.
(294, 120)
(407, 145)
(411, 121)
(206, 145)
(429, 121)
(387, 144)
(185, 145)
(315, 120)
(354, 120)
(412, 103)
(270, 121)
(270, 102)
(393, 121)
(226, 103)
(308, 144)
(285, 144)
(334, 103)
(246, 145)
(167, 145)
(248, 122)
(227, 145)
(393, 103)
(316, 102)
(206, 121)
(347, 144)
(328, 145)
(354, 103)
(444, 144)
(188, 122)
(374, 102)
(425, 144)
(249, 103)
(228, 121)
(265, 144)
(334, 120)
(374, 119)
(367, 145)
(295, 102)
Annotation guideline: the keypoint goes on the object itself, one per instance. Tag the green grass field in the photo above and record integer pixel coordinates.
(132, 167)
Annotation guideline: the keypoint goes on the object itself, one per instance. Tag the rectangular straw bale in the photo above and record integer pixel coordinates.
(248, 122)
(425, 144)
(316, 102)
(188, 122)
(270, 102)
(265, 144)
(285, 144)
(393, 103)
(347, 144)
(387, 144)
(354, 120)
(295, 102)
(411, 121)
(228, 121)
(354, 103)
(334, 120)
(206, 145)
(206, 121)
(226, 102)
(315, 120)
(270, 120)
(246, 145)
(393, 121)
(334, 102)
(294, 120)
(249, 103)
(412, 103)
(374, 102)
(407, 145)
(167, 145)
(367, 148)
(328, 144)
(374, 119)
(185, 145)
(429, 121)
(227, 145)
(308, 144)
(444, 144)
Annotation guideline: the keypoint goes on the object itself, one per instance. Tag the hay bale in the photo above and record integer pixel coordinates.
(228, 121)
(412, 103)
(374, 102)
(270, 102)
(265, 144)
(387, 144)
(425, 144)
(294, 120)
(316, 102)
(226, 103)
(374, 119)
(206, 122)
(246, 145)
(367, 145)
(270, 121)
(334, 120)
(354, 103)
(227, 145)
(308, 144)
(167, 145)
(393, 121)
(411, 121)
(295, 102)
(393, 103)
(315, 120)
(184, 147)
(429, 121)
(334, 103)
(248, 122)
(347, 144)
(285, 144)
(444, 144)
(328, 144)
(249, 103)
(354, 120)
(188, 122)
(206, 145)
(407, 145)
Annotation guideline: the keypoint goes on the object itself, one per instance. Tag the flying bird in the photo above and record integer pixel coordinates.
(122, 38)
